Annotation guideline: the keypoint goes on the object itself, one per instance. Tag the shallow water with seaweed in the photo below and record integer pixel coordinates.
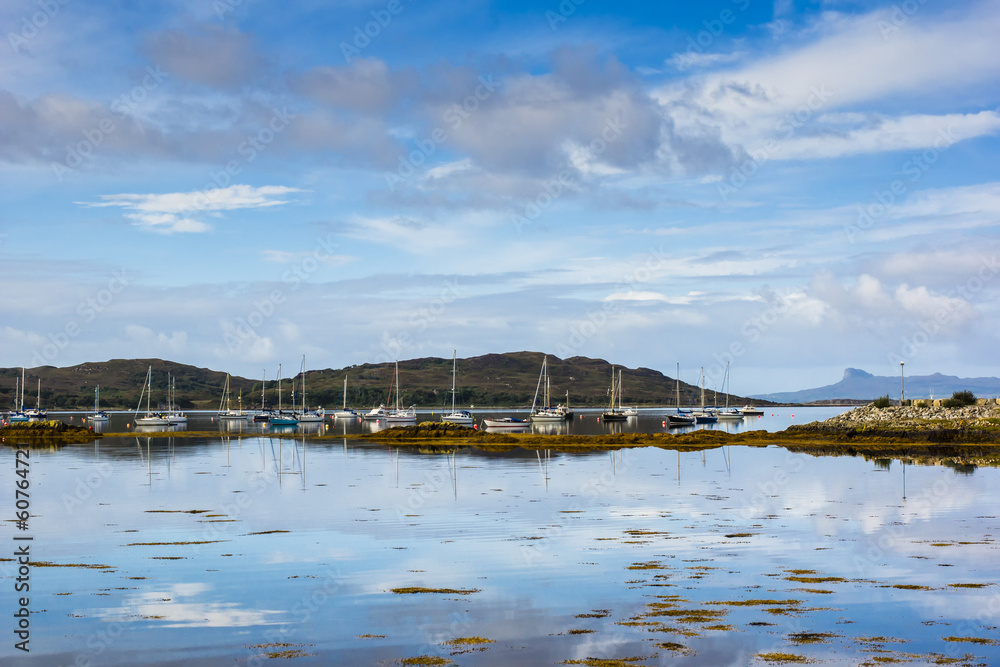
(248, 549)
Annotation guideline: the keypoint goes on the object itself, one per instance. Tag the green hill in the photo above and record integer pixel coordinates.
(491, 380)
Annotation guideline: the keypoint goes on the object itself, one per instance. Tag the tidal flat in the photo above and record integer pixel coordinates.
(250, 550)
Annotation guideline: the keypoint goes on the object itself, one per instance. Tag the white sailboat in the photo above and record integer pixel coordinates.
(228, 414)
(99, 415)
(173, 414)
(343, 412)
(305, 415)
(17, 414)
(463, 417)
(728, 414)
(279, 418)
(37, 412)
(545, 414)
(398, 415)
(150, 418)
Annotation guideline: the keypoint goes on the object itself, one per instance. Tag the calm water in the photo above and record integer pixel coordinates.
(636, 553)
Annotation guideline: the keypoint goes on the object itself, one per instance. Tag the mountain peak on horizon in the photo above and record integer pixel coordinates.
(850, 373)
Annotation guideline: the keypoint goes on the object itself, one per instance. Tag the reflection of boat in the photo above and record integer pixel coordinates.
(99, 415)
(463, 417)
(309, 416)
(398, 415)
(343, 412)
(545, 414)
(229, 414)
(150, 418)
(615, 414)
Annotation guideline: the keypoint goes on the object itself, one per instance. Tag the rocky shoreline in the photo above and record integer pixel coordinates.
(974, 423)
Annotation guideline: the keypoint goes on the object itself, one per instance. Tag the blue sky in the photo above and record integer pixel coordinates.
(792, 187)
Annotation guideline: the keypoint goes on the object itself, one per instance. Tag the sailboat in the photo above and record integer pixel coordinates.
(397, 415)
(279, 418)
(174, 414)
(150, 418)
(545, 414)
(263, 414)
(99, 415)
(309, 416)
(615, 414)
(678, 418)
(729, 414)
(17, 414)
(229, 414)
(704, 416)
(343, 412)
(37, 412)
(464, 417)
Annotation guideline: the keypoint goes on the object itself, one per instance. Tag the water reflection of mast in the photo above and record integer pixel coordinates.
(544, 467)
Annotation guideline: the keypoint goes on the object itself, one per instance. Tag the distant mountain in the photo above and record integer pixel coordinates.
(860, 385)
(507, 380)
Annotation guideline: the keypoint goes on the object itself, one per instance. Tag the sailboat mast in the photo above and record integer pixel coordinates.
(279, 389)
(702, 387)
(303, 383)
(454, 364)
(263, 378)
(678, 388)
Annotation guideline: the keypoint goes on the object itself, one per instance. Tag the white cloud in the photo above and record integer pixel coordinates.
(170, 213)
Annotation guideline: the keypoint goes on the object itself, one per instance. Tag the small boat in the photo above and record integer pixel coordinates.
(173, 414)
(615, 414)
(547, 414)
(264, 414)
(150, 418)
(99, 415)
(281, 418)
(679, 417)
(463, 417)
(704, 416)
(750, 410)
(375, 414)
(400, 415)
(307, 416)
(37, 412)
(343, 412)
(229, 414)
(506, 422)
(728, 414)
(17, 414)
